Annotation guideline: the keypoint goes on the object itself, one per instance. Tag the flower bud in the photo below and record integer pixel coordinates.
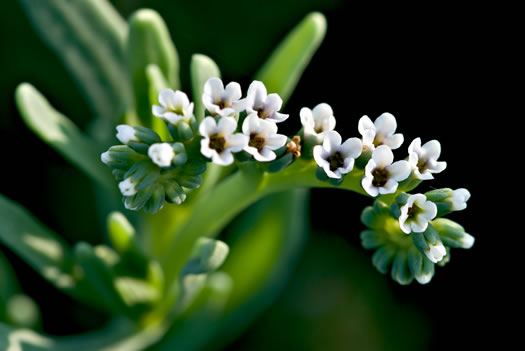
(452, 234)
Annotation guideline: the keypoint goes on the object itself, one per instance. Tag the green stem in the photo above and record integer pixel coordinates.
(216, 208)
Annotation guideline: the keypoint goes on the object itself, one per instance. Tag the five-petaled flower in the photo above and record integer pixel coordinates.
(265, 106)
(175, 106)
(416, 214)
(335, 158)
(381, 175)
(380, 132)
(220, 100)
(317, 122)
(161, 154)
(219, 140)
(423, 159)
(263, 138)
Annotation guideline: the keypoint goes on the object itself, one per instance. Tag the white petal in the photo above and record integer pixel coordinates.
(125, 134)
(251, 124)
(467, 241)
(365, 123)
(227, 126)
(331, 123)
(307, 119)
(277, 117)
(366, 183)
(368, 139)
(390, 187)
(438, 167)
(167, 98)
(415, 146)
(265, 155)
(172, 118)
(188, 110)
(127, 188)
(394, 141)
(352, 148)
(158, 111)
(405, 227)
(268, 127)
(332, 174)
(399, 170)
(419, 224)
(430, 210)
(322, 111)
(208, 127)
(237, 142)
(257, 95)
(332, 141)
(276, 141)
(161, 154)
(232, 93)
(105, 157)
(180, 99)
(385, 124)
(348, 166)
(382, 156)
(205, 148)
(320, 155)
(370, 166)
(432, 149)
(426, 175)
(213, 90)
(225, 112)
(272, 104)
(225, 158)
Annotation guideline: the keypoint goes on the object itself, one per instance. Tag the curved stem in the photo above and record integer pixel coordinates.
(214, 209)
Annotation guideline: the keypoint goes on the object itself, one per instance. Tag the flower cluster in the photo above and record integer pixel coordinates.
(407, 230)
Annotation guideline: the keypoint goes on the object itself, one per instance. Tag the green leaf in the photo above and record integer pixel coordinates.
(95, 270)
(60, 133)
(35, 244)
(157, 82)
(8, 284)
(149, 42)
(283, 69)
(88, 36)
(202, 68)
(121, 232)
(208, 255)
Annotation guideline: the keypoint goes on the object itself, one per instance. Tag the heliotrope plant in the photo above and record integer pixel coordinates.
(184, 169)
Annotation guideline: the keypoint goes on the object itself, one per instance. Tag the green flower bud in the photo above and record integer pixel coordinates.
(452, 234)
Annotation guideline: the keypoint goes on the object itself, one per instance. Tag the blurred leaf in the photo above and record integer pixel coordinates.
(149, 42)
(22, 311)
(157, 82)
(284, 67)
(208, 255)
(88, 36)
(202, 68)
(8, 284)
(35, 244)
(121, 232)
(59, 132)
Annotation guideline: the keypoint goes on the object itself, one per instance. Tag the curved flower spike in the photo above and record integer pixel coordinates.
(416, 214)
(381, 175)
(423, 159)
(219, 141)
(335, 158)
(265, 106)
(380, 132)
(317, 122)
(222, 101)
(263, 138)
(175, 106)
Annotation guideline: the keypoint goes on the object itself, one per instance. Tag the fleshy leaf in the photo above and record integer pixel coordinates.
(60, 133)
(282, 71)
(149, 42)
(88, 36)
(201, 69)
(35, 244)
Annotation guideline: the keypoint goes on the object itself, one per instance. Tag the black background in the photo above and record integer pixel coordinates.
(434, 67)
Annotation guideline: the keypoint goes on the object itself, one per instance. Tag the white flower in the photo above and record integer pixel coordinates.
(175, 106)
(318, 121)
(416, 214)
(126, 133)
(264, 105)
(381, 175)
(127, 187)
(335, 158)
(423, 159)
(458, 199)
(435, 252)
(219, 141)
(380, 132)
(161, 154)
(222, 101)
(263, 138)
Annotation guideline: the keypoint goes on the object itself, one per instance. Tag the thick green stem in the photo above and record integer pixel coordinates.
(216, 208)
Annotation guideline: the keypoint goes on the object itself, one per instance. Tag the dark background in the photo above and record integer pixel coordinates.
(431, 66)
